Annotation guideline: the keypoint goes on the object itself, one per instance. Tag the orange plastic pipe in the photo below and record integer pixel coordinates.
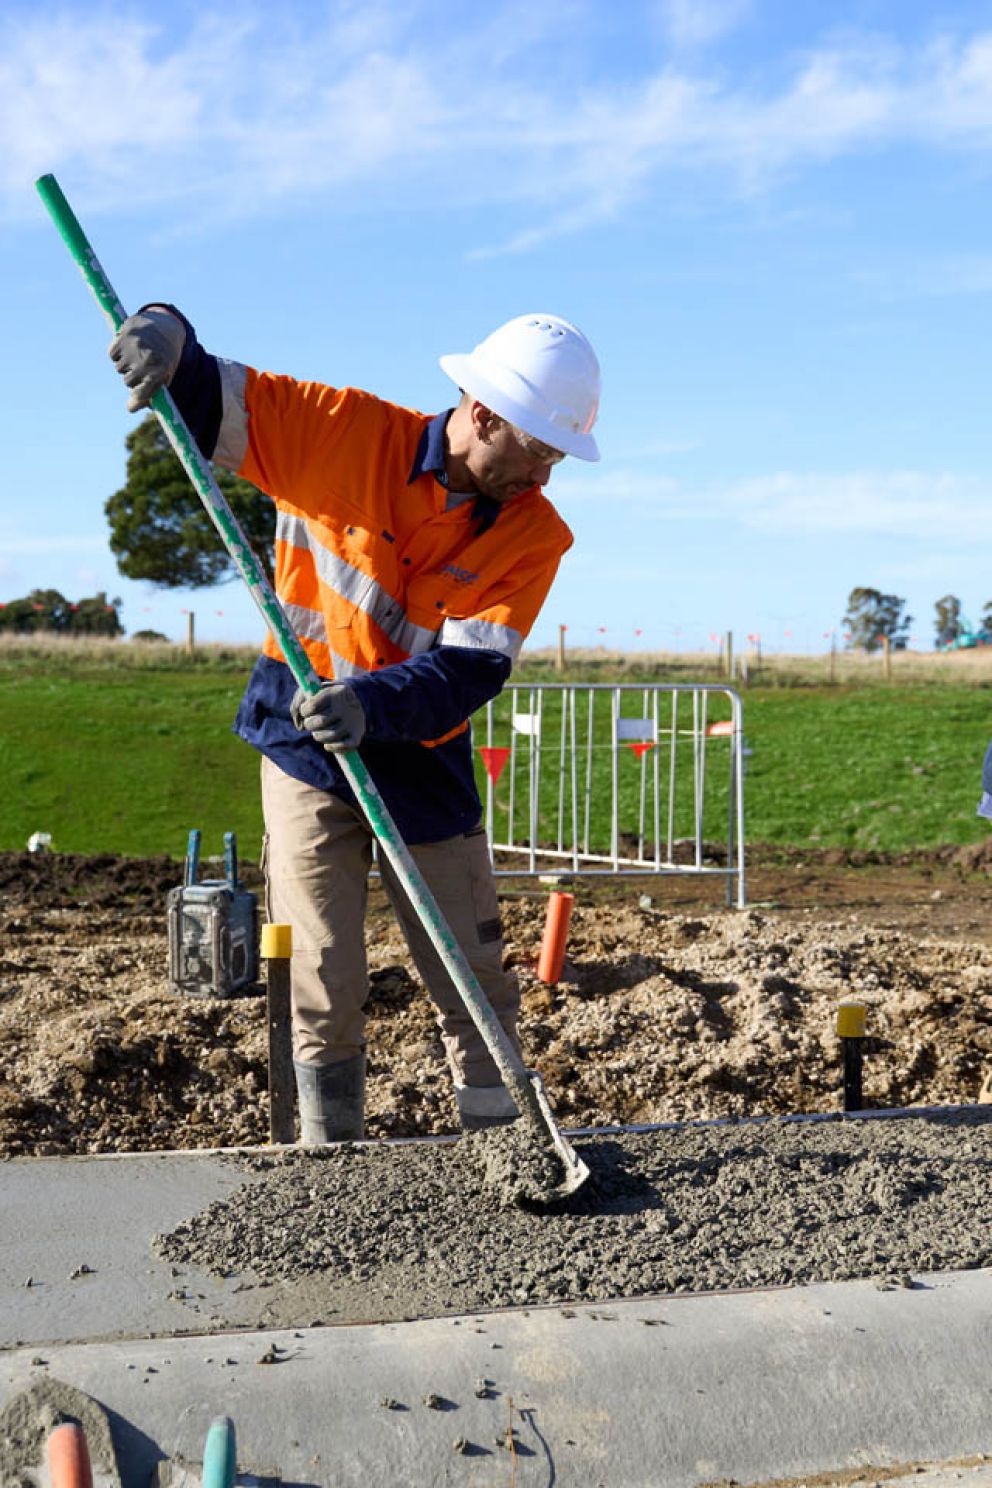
(69, 1457)
(552, 957)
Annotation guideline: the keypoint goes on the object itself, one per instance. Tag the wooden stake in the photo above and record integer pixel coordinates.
(561, 648)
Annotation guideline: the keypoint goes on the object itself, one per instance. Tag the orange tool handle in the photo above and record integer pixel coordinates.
(69, 1457)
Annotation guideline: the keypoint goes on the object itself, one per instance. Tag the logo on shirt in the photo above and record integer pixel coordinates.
(460, 575)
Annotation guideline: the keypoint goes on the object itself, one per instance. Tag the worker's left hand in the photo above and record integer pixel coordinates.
(333, 716)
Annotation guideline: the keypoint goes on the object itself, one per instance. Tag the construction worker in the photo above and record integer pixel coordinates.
(413, 554)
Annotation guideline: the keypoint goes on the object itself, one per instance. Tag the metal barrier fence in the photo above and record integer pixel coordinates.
(602, 778)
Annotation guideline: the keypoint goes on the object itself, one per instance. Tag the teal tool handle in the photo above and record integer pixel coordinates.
(193, 857)
(220, 1461)
(231, 860)
(505, 1056)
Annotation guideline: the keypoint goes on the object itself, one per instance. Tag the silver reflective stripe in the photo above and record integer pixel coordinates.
(356, 587)
(482, 635)
(232, 442)
(308, 624)
(344, 668)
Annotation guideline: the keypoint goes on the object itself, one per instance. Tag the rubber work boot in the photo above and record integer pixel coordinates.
(482, 1106)
(332, 1101)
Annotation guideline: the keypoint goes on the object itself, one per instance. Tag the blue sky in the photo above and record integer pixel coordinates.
(772, 220)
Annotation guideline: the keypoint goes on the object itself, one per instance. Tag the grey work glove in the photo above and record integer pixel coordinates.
(333, 716)
(146, 352)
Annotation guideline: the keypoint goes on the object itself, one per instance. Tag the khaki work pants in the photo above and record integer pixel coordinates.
(318, 851)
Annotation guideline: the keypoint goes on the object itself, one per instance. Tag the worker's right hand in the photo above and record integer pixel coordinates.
(146, 352)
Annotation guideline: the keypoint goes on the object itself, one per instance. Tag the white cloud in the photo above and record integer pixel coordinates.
(903, 505)
(697, 23)
(246, 108)
(937, 277)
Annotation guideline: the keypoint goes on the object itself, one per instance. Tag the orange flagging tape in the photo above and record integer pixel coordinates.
(68, 1457)
(552, 957)
(641, 748)
(494, 760)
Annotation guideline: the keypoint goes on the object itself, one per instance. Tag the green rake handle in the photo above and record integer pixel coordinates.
(507, 1060)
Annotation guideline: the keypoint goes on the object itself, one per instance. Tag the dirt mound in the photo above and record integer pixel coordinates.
(668, 1009)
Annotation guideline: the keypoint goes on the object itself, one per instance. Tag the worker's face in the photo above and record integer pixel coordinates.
(502, 462)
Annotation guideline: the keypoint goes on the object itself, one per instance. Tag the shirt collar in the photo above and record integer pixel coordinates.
(429, 459)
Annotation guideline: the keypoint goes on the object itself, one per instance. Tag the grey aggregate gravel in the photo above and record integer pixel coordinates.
(380, 1232)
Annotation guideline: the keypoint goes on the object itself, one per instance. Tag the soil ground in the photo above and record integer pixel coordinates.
(671, 1007)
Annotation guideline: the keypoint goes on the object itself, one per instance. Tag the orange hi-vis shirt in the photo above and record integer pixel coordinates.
(390, 582)
(370, 566)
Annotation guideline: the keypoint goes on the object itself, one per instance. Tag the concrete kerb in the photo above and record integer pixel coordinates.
(679, 1391)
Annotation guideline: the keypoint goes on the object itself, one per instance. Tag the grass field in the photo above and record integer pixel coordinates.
(114, 747)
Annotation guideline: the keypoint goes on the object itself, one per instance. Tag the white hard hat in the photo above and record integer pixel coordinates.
(539, 372)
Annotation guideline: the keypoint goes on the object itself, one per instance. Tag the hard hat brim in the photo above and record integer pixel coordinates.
(464, 372)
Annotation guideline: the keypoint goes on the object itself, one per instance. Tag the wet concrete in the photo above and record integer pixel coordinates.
(166, 1244)
(813, 1377)
(374, 1232)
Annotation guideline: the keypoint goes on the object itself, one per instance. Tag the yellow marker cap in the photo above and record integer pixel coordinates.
(277, 942)
(851, 1020)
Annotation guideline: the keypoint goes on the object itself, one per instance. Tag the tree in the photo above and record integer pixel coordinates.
(159, 530)
(947, 622)
(872, 615)
(48, 610)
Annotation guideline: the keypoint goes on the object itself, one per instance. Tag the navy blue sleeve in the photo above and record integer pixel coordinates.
(429, 695)
(196, 387)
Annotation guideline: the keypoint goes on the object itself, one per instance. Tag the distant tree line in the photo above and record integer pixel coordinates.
(48, 610)
(873, 617)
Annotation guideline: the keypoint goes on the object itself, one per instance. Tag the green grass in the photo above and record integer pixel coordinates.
(111, 753)
(869, 768)
(125, 761)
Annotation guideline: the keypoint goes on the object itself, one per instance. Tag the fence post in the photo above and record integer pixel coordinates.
(887, 658)
(730, 653)
(561, 648)
(190, 628)
(833, 657)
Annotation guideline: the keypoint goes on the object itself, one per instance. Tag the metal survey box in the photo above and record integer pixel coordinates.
(213, 929)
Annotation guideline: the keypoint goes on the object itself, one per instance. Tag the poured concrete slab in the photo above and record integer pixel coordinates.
(681, 1390)
(75, 1247)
